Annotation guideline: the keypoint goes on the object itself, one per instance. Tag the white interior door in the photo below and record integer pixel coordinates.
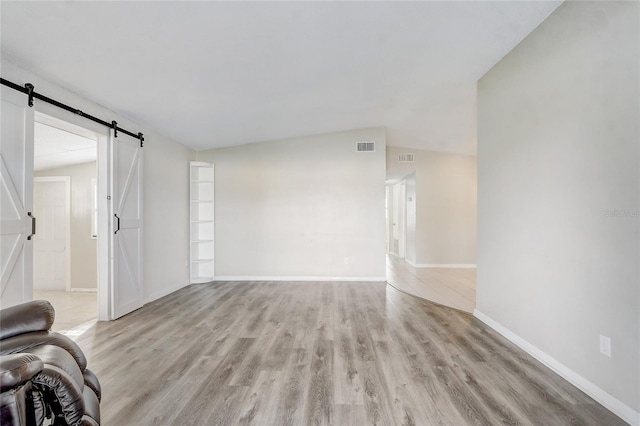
(126, 217)
(399, 201)
(16, 199)
(51, 246)
(402, 216)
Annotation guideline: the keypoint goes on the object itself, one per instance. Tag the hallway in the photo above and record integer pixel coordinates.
(452, 287)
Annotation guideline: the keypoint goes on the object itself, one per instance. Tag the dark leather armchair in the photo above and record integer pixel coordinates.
(43, 374)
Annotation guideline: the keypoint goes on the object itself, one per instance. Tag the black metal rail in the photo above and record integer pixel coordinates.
(28, 90)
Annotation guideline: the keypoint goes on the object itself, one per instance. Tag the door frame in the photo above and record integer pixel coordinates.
(53, 116)
(67, 215)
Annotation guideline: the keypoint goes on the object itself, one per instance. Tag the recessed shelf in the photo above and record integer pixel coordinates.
(201, 222)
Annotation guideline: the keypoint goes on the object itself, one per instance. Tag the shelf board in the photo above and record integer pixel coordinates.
(202, 221)
(201, 180)
(202, 201)
(201, 241)
(201, 260)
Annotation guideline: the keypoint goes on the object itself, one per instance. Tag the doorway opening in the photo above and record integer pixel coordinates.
(65, 202)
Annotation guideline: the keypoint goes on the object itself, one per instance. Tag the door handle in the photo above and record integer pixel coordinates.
(116, 231)
(33, 226)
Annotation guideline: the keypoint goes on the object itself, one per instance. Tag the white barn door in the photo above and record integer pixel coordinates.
(126, 226)
(17, 223)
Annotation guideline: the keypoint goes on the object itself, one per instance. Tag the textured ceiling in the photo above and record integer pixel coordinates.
(212, 74)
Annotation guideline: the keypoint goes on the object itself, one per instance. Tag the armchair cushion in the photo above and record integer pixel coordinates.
(43, 373)
(58, 357)
(24, 342)
(91, 380)
(37, 315)
(18, 369)
(91, 405)
(13, 406)
(57, 386)
(18, 404)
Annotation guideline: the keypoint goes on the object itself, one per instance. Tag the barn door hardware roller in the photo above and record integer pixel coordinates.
(29, 90)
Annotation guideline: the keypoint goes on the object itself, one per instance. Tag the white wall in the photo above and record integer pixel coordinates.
(445, 205)
(558, 152)
(166, 184)
(166, 216)
(84, 260)
(297, 208)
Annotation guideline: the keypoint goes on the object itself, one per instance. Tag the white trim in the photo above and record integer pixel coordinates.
(298, 278)
(87, 290)
(52, 116)
(163, 292)
(610, 402)
(94, 205)
(67, 216)
(104, 227)
(442, 265)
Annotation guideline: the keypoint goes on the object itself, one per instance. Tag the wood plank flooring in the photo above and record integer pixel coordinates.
(278, 353)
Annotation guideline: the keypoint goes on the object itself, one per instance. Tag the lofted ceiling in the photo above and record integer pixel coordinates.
(213, 74)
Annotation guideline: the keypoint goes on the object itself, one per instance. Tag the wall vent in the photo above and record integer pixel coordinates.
(405, 158)
(365, 146)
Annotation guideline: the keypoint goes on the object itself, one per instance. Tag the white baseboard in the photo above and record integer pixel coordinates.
(161, 293)
(441, 265)
(298, 278)
(90, 290)
(610, 402)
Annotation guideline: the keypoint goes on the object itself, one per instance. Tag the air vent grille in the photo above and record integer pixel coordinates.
(365, 146)
(405, 158)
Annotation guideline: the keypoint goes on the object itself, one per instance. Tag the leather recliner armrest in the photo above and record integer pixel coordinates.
(91, 381)
(18, 405)
(37, 315)
(18, 369)
(57, 385)
(24, 342)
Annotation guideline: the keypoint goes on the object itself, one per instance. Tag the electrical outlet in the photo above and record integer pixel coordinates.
(605, 345)
(186, 263)
(346, 260)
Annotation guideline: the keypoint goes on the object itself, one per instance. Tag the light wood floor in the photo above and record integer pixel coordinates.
(453, 287)
(275, 353)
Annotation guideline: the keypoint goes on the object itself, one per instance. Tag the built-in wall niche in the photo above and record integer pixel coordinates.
(201, 222)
